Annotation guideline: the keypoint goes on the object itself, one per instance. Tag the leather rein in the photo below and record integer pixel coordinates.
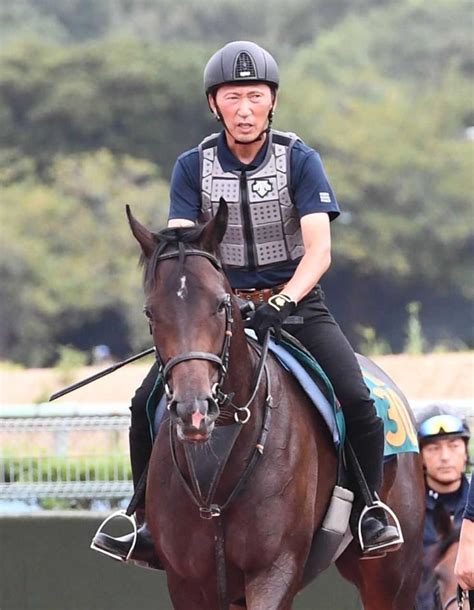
(208, 509)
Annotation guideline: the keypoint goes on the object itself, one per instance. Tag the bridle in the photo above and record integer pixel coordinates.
(222, 360)
(208, 509)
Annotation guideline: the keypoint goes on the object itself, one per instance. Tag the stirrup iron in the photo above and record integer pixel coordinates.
(378, 504)
(120, 514)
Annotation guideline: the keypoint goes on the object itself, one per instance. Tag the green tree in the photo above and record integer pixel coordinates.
(121, 95)
(68, 256)
(397, 155)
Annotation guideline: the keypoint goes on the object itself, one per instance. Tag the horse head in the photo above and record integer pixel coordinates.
(189, 309)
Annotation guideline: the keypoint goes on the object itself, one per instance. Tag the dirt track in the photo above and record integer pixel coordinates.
(431, 376)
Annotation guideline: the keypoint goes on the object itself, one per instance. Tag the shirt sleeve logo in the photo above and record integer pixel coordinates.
(261, 187)
(324, 197)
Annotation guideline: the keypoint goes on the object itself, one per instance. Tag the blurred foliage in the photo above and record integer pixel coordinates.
(66, 257)
(370, 344)
(98, 98)
(69, 359)
(164, 21)
(396, 150)
(122, 95)
(415, 342)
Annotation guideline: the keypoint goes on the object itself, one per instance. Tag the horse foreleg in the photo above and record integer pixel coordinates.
(184, 595)
(274, 588)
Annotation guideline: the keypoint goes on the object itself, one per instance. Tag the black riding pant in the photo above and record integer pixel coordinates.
(322, 336)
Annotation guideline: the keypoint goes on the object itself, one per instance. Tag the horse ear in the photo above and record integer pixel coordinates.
(442, 520)
(215, 229)
(144, 237)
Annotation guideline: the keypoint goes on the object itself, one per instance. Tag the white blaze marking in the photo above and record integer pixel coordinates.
(182, 289)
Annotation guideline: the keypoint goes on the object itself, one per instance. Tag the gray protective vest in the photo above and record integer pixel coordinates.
(263, 228)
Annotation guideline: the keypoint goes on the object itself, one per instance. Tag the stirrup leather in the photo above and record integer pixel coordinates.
(378, 504)
(120, 514)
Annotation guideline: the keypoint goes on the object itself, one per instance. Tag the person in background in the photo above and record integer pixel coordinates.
(443, 436)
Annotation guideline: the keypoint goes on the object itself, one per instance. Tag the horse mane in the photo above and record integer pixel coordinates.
(445, 543)
(177, 238)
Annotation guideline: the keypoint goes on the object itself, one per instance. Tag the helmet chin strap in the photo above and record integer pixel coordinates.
(260, 136)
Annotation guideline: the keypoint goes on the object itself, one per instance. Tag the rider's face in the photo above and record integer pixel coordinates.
(444, 460)
(244, 108)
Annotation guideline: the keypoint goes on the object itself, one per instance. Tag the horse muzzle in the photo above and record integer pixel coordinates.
(195, 419)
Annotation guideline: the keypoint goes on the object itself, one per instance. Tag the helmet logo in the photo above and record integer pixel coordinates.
(245, 66)
(261, 187)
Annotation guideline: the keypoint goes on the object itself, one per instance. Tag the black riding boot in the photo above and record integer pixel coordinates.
(140, 450)
(378, 537)
(144, 551)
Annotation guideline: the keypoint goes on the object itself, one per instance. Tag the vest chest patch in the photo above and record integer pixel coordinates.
(262, 187)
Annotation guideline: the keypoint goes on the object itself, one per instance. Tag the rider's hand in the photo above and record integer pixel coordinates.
(271, 315)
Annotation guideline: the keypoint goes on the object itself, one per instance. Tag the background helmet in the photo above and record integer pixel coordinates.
(239, 62)
(441, 420)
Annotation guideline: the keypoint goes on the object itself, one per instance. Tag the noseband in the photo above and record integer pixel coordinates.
(222, 361)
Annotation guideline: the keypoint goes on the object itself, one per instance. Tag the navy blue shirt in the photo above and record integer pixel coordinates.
(309, 186)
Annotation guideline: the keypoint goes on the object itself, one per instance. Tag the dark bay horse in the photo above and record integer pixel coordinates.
(273, 510)
(446, 584)
(441, 563)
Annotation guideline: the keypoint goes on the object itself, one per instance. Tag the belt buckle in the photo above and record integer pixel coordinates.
(246, 293)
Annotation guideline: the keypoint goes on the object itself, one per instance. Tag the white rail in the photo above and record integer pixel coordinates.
(67, 451)
(77, 451)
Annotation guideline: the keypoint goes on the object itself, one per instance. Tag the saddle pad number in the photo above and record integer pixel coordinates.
(400, 432)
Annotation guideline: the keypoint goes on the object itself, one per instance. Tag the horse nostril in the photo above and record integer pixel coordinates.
(196, 418)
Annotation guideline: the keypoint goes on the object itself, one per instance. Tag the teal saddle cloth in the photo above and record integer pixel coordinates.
(392, 407)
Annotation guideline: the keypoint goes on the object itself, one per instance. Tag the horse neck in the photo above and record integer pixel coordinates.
(242, 364)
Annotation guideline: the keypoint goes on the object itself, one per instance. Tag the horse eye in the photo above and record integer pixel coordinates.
(147, 313)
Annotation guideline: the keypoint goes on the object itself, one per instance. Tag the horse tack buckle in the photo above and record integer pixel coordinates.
(461, 598)
(246, 416)
(209, 512)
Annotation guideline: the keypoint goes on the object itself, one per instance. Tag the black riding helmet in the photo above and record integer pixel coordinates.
(243, 62)
(239, 62)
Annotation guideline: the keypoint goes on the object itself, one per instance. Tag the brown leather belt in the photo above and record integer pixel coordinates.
(256, 295)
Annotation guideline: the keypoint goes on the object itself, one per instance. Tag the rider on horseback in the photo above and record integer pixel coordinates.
(275, 251)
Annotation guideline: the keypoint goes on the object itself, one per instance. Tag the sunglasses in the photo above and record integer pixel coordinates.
(441, 424)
